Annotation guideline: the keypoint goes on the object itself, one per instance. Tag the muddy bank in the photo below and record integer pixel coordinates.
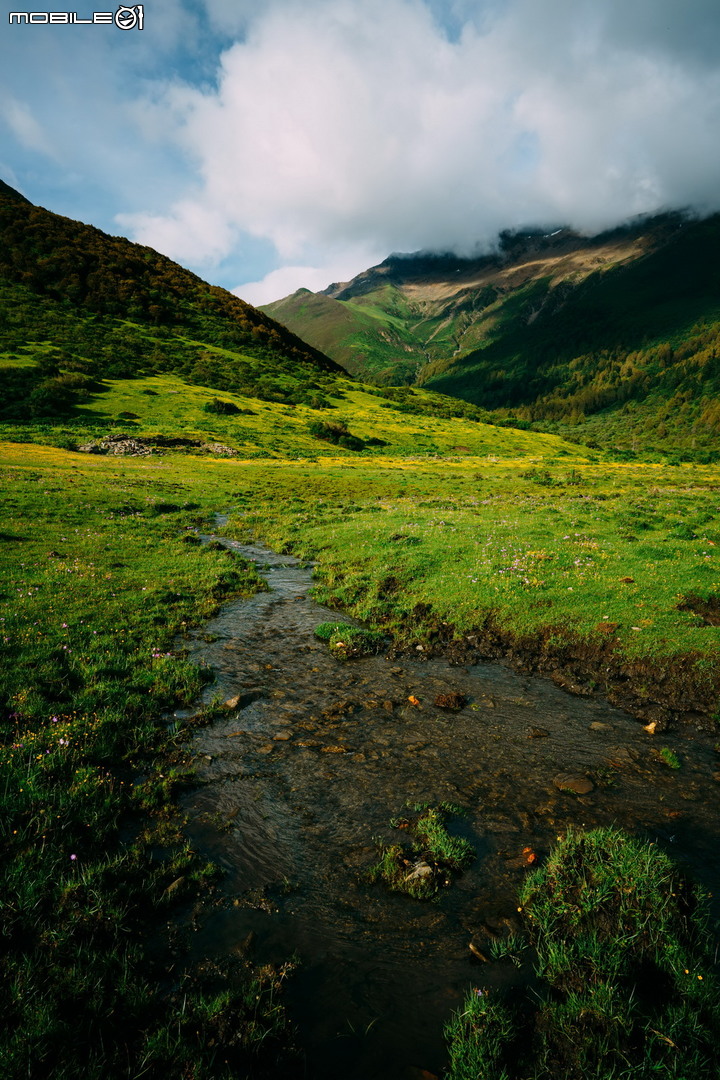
(301, 777)
(665, 691)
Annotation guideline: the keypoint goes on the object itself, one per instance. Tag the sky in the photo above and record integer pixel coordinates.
(270, 145)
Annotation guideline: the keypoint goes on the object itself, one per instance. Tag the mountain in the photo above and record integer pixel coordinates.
(84, 305)
(619, 332)
(376, 340)
(393, 320)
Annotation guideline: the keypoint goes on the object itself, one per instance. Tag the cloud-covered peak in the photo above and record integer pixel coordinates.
(331, 132)
(400, 125)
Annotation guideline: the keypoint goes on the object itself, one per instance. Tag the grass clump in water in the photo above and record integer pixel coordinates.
(346, 641)
(424, 867)
(324, 631)
(478, 1036)
(625, 956)
(670, 758)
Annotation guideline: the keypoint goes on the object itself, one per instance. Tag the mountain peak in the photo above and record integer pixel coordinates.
(10, 193)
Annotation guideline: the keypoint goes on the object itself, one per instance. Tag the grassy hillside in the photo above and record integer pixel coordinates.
(646, 335)
(619, 334)
(353, 422)
(370, 341)
(85, 305)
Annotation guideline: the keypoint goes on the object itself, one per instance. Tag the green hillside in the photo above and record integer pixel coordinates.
(618, 333)
(84, 305)
(370, 341)
(634, 351)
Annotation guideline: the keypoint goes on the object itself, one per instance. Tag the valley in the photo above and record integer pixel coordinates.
(611, 341)
(195, 780)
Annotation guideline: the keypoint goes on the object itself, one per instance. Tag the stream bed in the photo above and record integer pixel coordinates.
(298, 782)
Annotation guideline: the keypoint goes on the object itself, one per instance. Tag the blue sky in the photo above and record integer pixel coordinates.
(269, 144)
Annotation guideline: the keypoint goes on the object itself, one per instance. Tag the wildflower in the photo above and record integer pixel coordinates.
(73, 858)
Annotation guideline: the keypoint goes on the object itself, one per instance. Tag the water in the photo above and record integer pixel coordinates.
(298, 782)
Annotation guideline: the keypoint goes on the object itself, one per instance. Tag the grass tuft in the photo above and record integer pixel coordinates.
(626, 970)
(425, 866)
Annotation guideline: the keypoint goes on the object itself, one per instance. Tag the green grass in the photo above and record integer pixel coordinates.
(510, 947)
(425, 866)
(452, 530)
(167, 405)
(626, 970)
(589, 572)
(477, 1036)
(346, 641)
(96, 582)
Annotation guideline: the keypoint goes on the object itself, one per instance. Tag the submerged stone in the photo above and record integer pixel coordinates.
(581, 785)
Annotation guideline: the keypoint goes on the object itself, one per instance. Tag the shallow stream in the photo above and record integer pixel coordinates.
(298, 781)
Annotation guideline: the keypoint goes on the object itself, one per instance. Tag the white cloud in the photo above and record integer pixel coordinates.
(335, 124)
(195, 232)
(25, 127)
(287, 279)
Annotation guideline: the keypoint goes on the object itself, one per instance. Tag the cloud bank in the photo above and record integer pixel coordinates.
(314, 137)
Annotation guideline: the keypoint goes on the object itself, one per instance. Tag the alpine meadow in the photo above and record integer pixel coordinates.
(361, 666)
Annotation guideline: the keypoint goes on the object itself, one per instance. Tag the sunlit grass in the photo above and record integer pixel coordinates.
(166, 405)
(588, 556)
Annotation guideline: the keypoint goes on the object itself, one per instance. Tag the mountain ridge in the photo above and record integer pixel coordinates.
(550, 330)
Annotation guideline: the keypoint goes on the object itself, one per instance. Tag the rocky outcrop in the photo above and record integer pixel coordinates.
(142, 446)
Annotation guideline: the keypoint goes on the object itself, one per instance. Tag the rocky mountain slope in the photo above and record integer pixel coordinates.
(620, 332)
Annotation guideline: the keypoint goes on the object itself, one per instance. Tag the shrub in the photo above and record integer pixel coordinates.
(336, 433)
(221, 408)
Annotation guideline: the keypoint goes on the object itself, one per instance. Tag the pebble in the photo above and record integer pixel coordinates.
(452, 700)
(538, 733)
(598, 726)
(267, 749)
(420, 872)
(622, 755)
(581, 785)
(282, 736)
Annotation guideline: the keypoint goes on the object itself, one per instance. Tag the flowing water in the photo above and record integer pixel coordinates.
(300, 779)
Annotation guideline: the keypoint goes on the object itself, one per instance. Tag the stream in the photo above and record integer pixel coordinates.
(300, 779)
